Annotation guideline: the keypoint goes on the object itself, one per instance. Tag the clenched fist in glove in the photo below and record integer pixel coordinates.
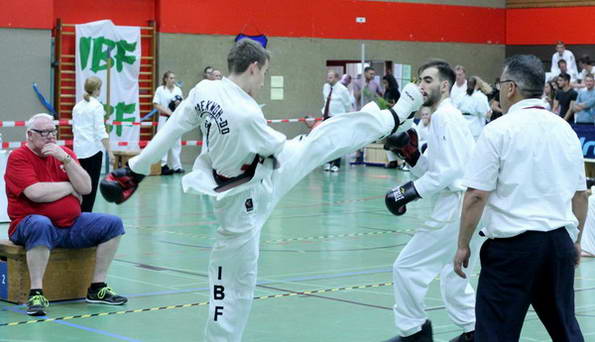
(397, 198)
(120, 184)
(406, 145)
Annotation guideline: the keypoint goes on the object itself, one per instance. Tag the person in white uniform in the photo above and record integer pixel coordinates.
(336, 101)
(430, 251)
(528, 174)
(90, 137)
(567, 55)
(588, 239)
(475, 107)
(164, 95)
(247, 167)
(460, 87)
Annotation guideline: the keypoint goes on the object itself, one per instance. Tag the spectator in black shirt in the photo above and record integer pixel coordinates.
(565, 98)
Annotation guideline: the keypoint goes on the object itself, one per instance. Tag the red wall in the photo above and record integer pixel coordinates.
(36, 14)
(336, 19)
(545, 26)
(289, 18)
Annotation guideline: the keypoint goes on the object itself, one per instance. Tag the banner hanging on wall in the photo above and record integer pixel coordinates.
(96, 42)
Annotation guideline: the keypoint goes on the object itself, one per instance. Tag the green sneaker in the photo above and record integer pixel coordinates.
(36, 305)
(105, 295)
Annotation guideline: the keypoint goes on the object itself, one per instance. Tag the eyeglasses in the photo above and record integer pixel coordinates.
(505, 81)
(45, 133)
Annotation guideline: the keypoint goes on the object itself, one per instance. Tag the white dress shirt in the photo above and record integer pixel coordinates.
(475, 109)
(532, 163)
(568, 56)
(88, 128)
(457, 92)
(340, 99)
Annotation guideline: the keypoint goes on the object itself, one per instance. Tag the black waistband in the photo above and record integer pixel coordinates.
(224, 183)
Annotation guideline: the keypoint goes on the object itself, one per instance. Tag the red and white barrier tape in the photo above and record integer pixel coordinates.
(142, 143)
(127, 123)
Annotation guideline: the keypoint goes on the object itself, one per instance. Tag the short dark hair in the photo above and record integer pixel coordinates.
(585, 59)
(562, 61)
(590, 76)
(528, 74)
(564, 76)
(445, 72)
(368, 68)
(245, 52)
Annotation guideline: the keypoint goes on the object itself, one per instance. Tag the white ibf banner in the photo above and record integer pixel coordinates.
(95, 43)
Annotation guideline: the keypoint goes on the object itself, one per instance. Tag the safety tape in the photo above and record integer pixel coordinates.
(332, 236)
(180, 306)
(128, 123)
(142, 143)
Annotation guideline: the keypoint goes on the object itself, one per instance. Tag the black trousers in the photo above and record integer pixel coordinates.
(534, 268)
(93, 167)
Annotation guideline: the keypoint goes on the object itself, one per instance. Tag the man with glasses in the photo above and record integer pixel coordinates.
(528, 174)
(44, 186)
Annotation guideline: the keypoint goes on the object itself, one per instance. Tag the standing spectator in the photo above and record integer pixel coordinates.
(44, 184)
(207, 73)
(494, 99)
(346, 81)
(475, 107)
(460, 87)
(336, 101)
(366, 89)
(566, 55)
(565, 97)
(549, 95)
(165, 95)
(528, 172)
(391, 89)
(585, 103)
(90, 137)
(586, 68)
(563, 66)
(588, 238)
(217, 75)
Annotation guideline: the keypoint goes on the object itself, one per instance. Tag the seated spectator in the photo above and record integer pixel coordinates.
(585, 103)
(549, 94)
(586, 69)
(565, 98)
(44, 186)
(564, 70)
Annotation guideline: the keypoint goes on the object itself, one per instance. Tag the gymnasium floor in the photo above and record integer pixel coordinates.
(325, 269)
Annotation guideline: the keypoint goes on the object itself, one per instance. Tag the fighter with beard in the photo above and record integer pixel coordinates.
(439, 171)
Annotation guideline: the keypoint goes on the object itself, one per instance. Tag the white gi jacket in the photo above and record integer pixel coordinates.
(220, 109)
(440, 169)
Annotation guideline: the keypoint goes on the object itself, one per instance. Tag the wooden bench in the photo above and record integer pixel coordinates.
(68, 274)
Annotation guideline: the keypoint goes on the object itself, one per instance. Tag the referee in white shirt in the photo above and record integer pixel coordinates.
(528, 173)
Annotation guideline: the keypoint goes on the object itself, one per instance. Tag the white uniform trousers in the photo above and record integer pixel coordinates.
(429, 253)
(233, 262)
(174, 152)
(588, 237)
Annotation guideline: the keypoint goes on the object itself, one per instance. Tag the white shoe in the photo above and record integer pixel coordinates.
(335, 168)
(327, 167)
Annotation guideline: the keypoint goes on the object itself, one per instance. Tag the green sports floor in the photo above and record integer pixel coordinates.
(324, 271)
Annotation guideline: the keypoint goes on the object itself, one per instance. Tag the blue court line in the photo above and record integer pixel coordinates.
(97, 331)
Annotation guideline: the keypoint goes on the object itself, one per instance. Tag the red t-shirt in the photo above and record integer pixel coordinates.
(25, 168)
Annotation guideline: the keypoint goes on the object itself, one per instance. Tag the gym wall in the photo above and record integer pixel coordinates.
(303, 35)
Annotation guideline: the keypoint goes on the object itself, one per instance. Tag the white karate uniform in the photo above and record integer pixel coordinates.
(431, 250)
(163, 96)
(475, 109)
(588, 237)
(457, 93)
(234, 131)
(568, 56)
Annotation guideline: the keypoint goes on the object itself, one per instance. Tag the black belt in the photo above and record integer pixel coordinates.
(225, 183)
(467, 114)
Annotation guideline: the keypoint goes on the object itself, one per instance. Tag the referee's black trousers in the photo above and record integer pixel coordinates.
(534, 268)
